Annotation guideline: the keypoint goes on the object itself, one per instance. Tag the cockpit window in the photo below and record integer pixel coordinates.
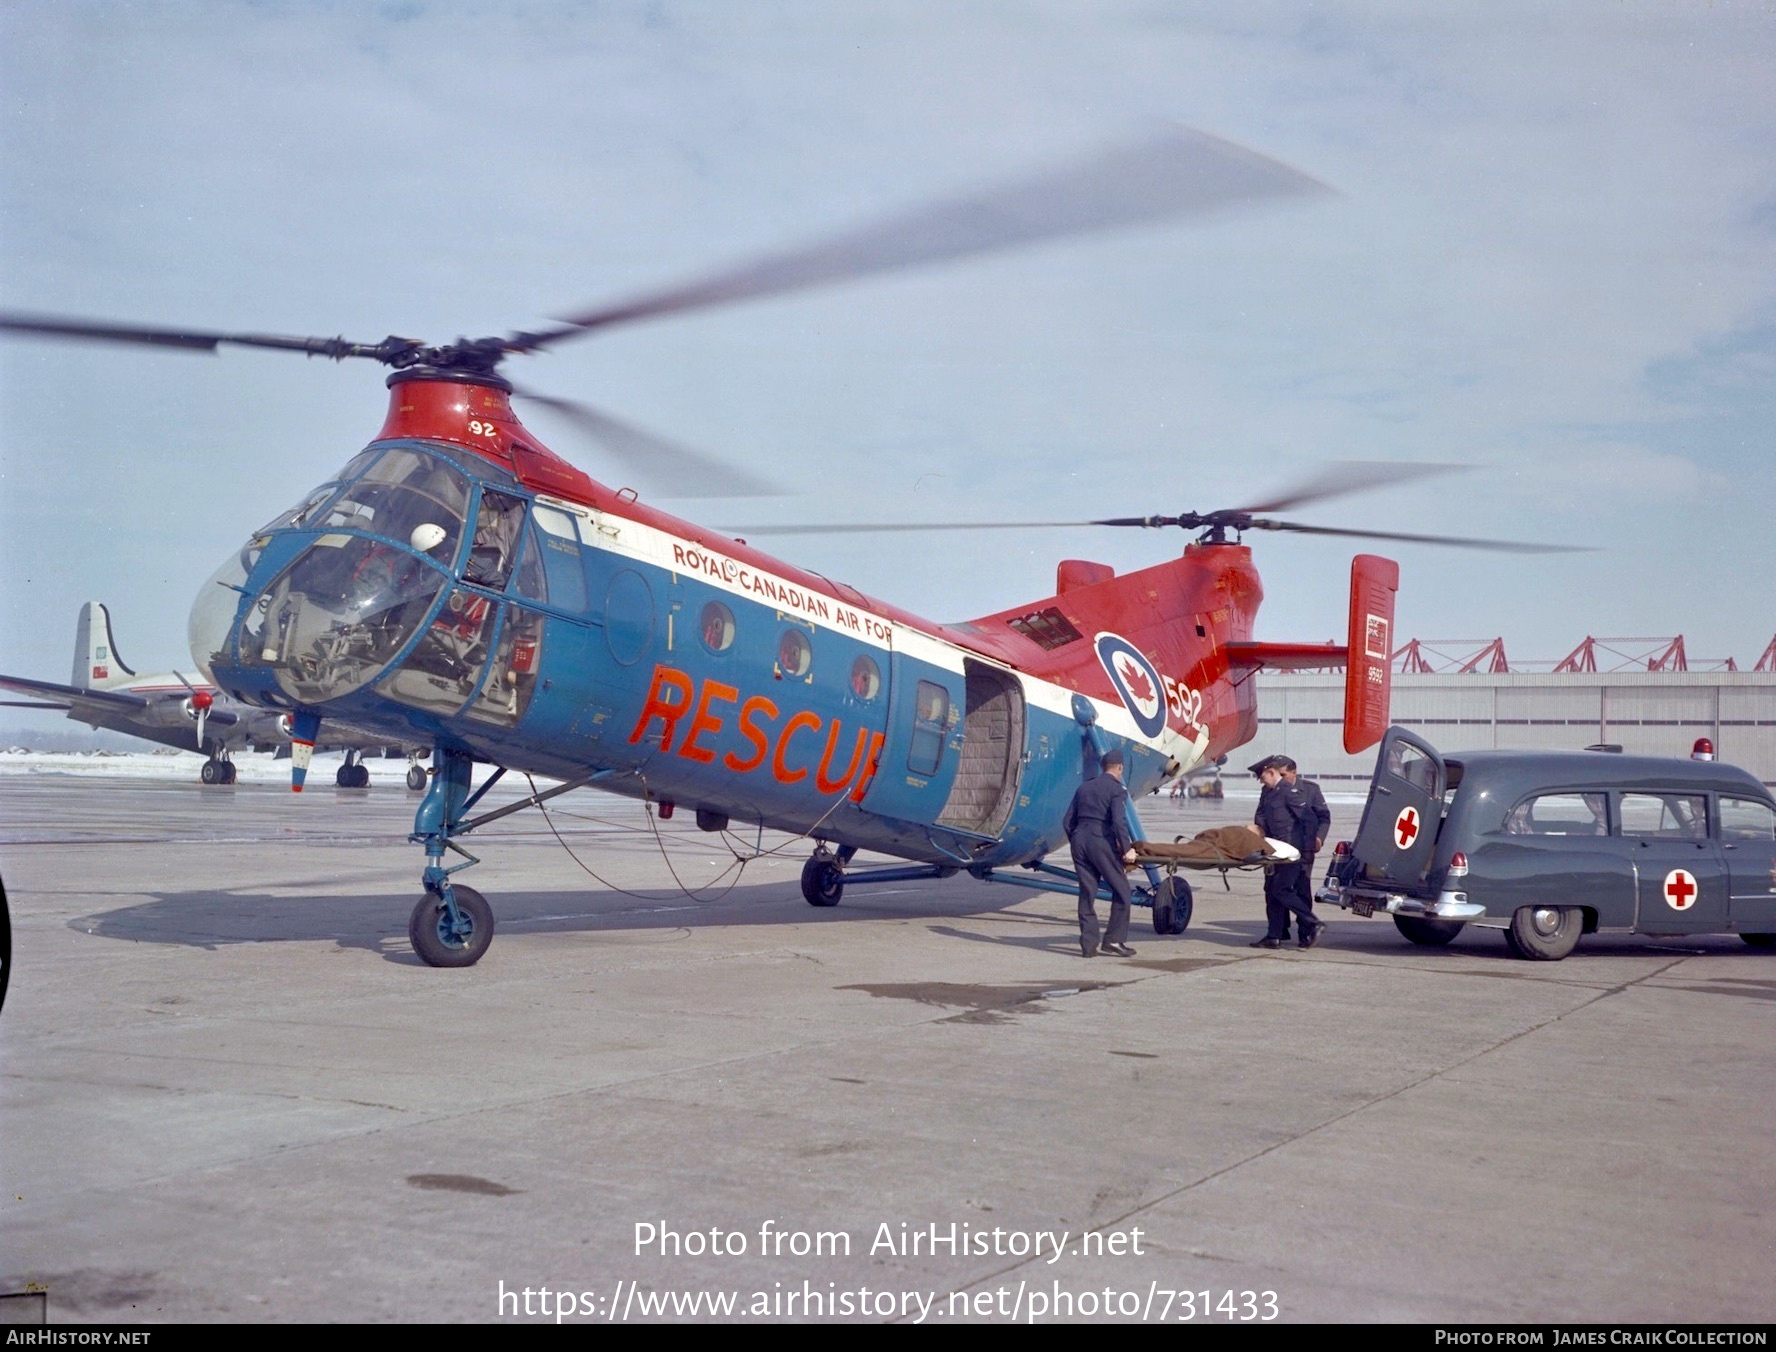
(497, 524)
(405, 495)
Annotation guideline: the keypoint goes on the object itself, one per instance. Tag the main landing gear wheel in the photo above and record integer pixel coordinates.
(1545, 933)
(416, 777)
(353, 777)
(1172, 906)
(1430, 933)
(217, 772)
(823, 882)
(440, 943)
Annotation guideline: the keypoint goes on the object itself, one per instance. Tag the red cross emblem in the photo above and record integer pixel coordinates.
(1680, 890)
(1406, 827)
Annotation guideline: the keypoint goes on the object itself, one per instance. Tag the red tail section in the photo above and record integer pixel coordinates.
(1368, 677)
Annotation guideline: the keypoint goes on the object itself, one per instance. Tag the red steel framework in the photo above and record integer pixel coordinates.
(1426, 657)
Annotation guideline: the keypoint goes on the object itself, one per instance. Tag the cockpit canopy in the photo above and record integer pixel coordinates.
(378, 545)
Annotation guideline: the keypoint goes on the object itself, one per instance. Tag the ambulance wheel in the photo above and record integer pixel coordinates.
(416, 777)
(1760, 940)
(1545, 933)
(823, 882)
(211, 772)
(1172, 906)
(1430, 933)
(441, 944)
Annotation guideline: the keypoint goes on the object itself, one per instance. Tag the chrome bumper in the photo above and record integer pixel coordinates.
(1368, 900)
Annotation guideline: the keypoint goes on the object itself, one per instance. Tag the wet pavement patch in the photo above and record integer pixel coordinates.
(486, 1187)
(1179, 964)
(981, 1004)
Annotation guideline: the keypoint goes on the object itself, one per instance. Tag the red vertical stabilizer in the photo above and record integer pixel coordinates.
(1368, 672)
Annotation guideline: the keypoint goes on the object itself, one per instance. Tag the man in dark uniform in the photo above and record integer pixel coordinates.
(1283, 814)
(1322, 815)
(1097, 828)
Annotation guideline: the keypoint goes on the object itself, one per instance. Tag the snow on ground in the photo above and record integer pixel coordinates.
(250, 769)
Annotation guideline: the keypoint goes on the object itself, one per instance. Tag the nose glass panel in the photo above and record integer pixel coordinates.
(333, 620)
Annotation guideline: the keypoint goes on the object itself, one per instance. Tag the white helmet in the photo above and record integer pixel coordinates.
(427, 537)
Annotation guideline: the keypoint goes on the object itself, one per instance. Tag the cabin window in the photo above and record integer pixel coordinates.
(866, 678)
(1047, 627)
(401, 492)
(1747, 819)
(497, 524)
(527, 578)
(505, 694)
(560, 550)
(440, 673)
(1408, 763)
(1668, 816)
(794, 655)
(717, 627)
(1560, 814)
(931, 721)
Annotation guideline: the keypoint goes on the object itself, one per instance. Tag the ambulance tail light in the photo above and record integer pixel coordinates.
(1458, 865)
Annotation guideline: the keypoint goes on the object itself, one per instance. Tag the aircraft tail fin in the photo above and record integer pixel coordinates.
(1368, 674)
(96, 663)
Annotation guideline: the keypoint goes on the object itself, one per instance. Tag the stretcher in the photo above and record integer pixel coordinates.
(1225, 849)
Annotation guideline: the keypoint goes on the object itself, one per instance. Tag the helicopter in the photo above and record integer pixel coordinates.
(459, 584)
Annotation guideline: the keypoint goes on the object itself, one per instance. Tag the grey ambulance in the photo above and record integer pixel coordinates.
(1546, 846)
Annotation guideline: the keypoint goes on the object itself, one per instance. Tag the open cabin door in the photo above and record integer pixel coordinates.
(1405, 808)
(993, 736)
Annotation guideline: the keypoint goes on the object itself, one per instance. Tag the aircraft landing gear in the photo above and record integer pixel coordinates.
(453, 925)
(453, 932)
(416, 777)
(823, 876)
(354, 774)
(216, 770)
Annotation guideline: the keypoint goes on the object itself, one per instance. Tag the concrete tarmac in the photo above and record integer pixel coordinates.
(231, 1092)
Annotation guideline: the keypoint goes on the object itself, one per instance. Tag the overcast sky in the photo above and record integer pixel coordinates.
(1550, 256)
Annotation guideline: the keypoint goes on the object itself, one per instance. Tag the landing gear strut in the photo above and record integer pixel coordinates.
(453, 925)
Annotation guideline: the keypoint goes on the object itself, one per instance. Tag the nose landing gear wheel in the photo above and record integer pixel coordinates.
(416, 777)
(823, 882)
(438, 941)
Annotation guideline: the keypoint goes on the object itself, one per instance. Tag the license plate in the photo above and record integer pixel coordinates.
(1362, 907)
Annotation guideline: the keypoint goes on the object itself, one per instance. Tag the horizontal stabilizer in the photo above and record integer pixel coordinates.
(1285, 656)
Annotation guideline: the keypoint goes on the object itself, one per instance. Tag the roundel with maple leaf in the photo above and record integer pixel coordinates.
(1136, 680)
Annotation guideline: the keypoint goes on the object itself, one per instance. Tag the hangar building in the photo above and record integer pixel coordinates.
(1646, 713)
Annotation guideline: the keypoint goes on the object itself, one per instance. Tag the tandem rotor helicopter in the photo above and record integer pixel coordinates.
(458, 584)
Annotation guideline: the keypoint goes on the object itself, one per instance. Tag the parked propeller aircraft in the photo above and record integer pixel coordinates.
(460, 584)
(167, 708)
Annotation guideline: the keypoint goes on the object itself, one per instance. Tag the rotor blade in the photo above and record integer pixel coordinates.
(1342, 477)
(885, 527)
(668, 465)
(1180, 172)
(56, 326)
(1456, 541)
